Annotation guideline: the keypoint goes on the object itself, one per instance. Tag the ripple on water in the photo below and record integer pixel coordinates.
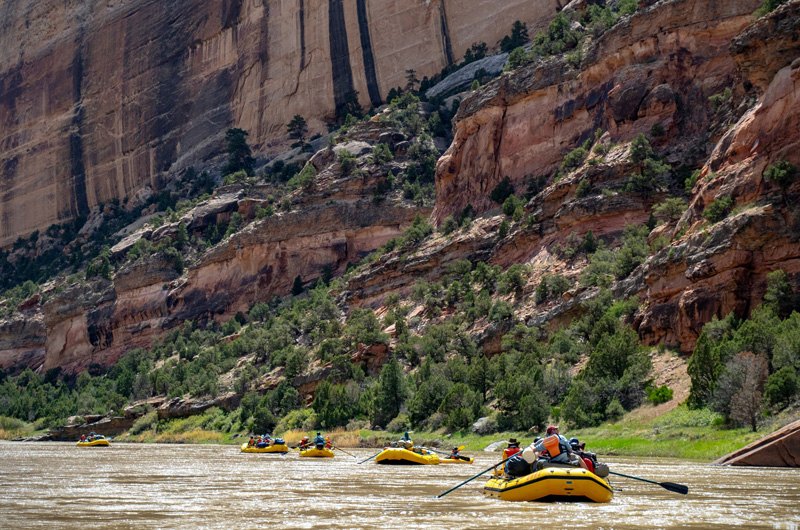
(57, 485)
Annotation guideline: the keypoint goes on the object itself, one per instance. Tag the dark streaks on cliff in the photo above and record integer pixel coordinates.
(302, 34)
(231, 11)
(172, 100)
(76, 154)
(448, 47)
(340, 54)
(366, 51)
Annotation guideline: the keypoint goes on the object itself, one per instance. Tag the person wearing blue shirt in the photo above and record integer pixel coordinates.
(319, 440)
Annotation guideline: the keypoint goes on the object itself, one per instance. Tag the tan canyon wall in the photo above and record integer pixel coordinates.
(101, 98)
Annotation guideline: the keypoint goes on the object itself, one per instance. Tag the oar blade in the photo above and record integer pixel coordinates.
(677, 488)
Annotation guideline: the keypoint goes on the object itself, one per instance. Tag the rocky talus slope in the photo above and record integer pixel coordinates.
(100, 99)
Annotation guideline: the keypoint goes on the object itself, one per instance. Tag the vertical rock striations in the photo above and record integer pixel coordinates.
(100, 99)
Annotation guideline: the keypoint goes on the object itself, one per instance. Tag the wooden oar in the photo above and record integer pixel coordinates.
(671, 486)
(345, 452)
(472, 478)
(370, 458)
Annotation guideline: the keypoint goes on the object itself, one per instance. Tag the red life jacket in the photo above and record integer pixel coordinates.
(510, 451)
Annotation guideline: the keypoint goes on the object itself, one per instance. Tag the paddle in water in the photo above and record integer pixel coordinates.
(670, 486)
(345, 452)
(472, 478)
(370, 458)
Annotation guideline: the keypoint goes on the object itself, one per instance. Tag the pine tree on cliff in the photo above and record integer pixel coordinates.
(239, 155)
(297, 286)
(298, 128)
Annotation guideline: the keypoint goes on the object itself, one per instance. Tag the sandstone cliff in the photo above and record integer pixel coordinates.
(658, 66)
(99, 99)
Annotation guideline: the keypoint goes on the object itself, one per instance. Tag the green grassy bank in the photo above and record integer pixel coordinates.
(680, 433)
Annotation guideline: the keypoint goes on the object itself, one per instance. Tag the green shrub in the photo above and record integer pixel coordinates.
(584, 189)
(657, 130)
(575, 158)
(670, 209)
(503, 230)
(768, 7)
(781, 387)
(718, 100)
(640, 149)
(347, 162)
(718, 209)
(783, 173)
(501, 310)
(449, 225)
(419, 230)
(689, 183)
(659, 395)
(304, 179)
(518, 37)
(381, 154)
(511, 205)
(627, 7)
(502, 191)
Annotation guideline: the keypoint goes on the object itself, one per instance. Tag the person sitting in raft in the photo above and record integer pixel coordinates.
(512, 449)
(252, 442)
(83, 437)
(328, 443)
(304, 442)
(557, 447)
(406, 442)
(454, 454)
(319, 441)
(578, 448)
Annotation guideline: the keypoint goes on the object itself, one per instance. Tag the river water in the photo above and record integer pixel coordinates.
(58, 485)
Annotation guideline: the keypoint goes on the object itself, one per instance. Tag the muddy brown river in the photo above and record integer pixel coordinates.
(57, 485)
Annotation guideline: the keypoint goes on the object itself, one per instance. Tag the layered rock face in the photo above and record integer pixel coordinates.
(99, 99)
(723, 269)
(659, 66)
(99, 323)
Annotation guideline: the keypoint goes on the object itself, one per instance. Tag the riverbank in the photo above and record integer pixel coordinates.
(679, 433)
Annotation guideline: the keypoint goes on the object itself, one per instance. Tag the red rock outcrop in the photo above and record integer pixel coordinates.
(672, 54)
(723, 268)
(98, 323)
(100, 99)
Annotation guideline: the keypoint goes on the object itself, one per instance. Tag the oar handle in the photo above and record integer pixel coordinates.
(634, 478)
(472, 478)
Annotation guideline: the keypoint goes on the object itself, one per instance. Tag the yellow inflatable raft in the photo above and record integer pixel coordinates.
(551, 485)
(277, 448)
(462, 460)
(317, 453)
(101, 442)
(399, 456)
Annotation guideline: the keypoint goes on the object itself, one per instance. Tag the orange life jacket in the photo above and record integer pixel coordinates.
(510, 451)
(552, 445)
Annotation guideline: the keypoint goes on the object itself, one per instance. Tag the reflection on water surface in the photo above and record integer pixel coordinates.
(57, 485)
